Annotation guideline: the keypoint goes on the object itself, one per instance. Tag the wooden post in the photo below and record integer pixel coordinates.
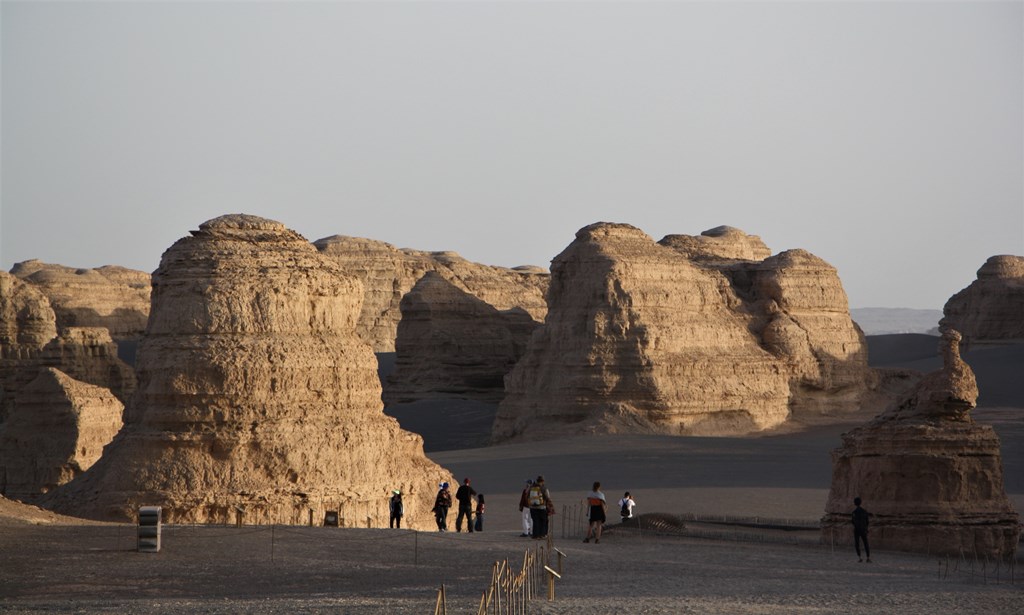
(560, 556)
(552, 575)
(441, 606)
(310, 517)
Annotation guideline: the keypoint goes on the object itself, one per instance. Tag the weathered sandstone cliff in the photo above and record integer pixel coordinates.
(695, 335)
(57, 431)
(931, 477)
(255, 395)
(451, 344)
(114, 298)
(991, 309)
(29, 342)
(27, 321)
(388, 273)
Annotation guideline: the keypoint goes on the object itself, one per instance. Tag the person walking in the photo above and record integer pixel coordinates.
(597, 513)
(540, 503)
(397, 509)
(442, 503)
(478, 525)
(465, 495)
(524, 509)
(859, 519)
(626, 505)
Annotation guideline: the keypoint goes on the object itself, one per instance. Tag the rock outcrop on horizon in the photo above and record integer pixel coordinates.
(57, 431)
(451, 344)
(388, 273)
(255, 395)
(991, 309)
(115, 298)
(930, 476)
(691, 335)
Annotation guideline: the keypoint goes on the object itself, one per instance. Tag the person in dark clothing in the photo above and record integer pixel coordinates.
(397, 509)
(441, 505)
(859, 518)
(479, 525)
(539, 500)
(465, 495)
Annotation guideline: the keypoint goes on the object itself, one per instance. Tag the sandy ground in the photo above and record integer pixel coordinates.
(54, 564)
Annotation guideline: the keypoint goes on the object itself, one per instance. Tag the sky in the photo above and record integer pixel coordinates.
(884, 137)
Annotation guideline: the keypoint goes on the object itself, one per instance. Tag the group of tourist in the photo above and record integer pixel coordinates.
(536, 506)
(466, 496)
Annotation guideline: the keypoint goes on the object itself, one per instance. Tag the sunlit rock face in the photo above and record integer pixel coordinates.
(690, 335)
(452, 345)
(255, 394)
(388, 273)
(57, 431)
(991, 309)
(111, 297)
(931, 477)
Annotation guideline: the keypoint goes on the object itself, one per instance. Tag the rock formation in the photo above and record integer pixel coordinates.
(388, 273)
(57, 431)
(692, 335)
(255, 395)
(114, 298)
(29, 342)
(90, 355)
(453, 345)
(27, 321)
(991, 309)
(931, 477)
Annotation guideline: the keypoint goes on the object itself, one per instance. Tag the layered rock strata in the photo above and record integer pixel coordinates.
(111, 297)
(451, 344)
(991, 309)
(255, 395)
(57, 431)
(29, 342)
(692, 335)
(931, 477)
(388, 273)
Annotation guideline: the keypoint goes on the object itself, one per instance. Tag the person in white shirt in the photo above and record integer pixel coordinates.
(626, 505)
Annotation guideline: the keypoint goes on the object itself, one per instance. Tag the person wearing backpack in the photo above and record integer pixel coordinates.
(626, 505)
(539, 500)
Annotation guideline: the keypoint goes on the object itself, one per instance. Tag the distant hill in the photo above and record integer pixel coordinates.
(885, 321)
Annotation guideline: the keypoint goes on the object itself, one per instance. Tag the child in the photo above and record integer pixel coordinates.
(479, 512)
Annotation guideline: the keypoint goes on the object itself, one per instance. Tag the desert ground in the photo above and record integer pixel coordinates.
(55, 564)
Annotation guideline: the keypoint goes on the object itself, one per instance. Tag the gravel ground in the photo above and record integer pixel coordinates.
(95, 568)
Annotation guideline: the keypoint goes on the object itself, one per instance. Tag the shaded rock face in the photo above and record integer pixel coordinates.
(58, 430)
(453, 345)
(683, 337)
(90, 355)
(29, 342)
(254, 394)
(931, 477)
(388, 273)
(114, 298)
(991, 309)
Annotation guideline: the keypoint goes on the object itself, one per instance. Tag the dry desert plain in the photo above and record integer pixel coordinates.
(56, 564)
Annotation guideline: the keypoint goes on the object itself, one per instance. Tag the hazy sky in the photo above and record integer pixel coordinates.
(886, 138)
